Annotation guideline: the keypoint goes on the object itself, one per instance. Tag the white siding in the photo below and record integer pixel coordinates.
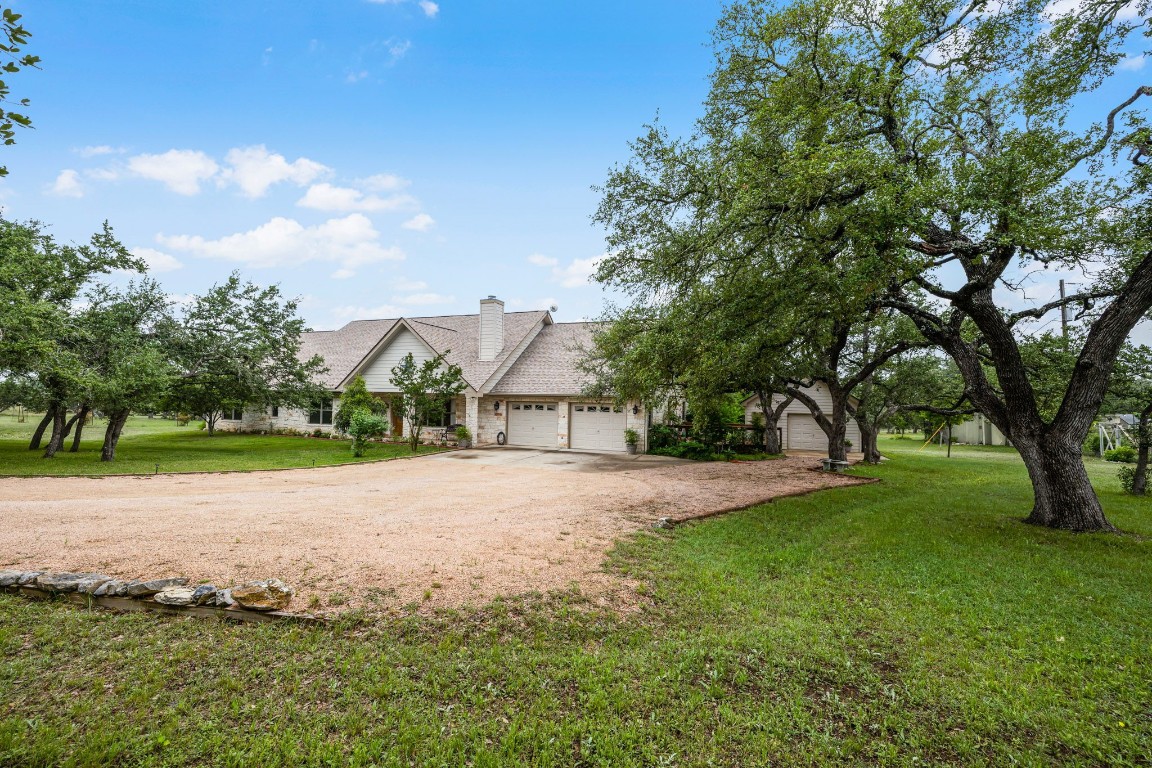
(491, 329)
(378, 374)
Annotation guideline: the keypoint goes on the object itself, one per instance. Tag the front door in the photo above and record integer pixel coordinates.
(397, 421)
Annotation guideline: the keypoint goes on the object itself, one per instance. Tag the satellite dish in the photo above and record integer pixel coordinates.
(553, 308)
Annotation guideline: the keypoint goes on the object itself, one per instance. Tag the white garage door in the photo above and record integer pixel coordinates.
(805, 434)
(534, 424)
(596, 427)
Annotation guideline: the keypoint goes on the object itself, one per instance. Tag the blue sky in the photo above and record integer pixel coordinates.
(373, 158)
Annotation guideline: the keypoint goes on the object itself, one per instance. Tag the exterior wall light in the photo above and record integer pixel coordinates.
(496, 406)
(635, 410)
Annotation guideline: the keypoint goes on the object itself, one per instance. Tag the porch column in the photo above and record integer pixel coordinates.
(472, 417)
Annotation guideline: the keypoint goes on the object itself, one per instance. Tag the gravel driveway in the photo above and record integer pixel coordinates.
(445, 530)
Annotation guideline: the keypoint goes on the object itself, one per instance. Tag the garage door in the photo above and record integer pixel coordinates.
(533, 424)
(596, 427)
(805, 434)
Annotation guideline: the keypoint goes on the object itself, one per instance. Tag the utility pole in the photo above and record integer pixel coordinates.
(1063, 313)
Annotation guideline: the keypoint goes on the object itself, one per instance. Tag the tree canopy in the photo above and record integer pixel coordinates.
(921, 156)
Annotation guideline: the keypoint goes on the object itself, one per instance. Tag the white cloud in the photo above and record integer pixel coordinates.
(67, 184)
(328, 197)
(255, 169)
(343, 274)
(102, 174)
(424, 299)
(157, 261)
(353, 77)
(430, 8)
(383, 182)
(101, 149)
(421, 222)
(350, 242)
(404, 284)
(573, 275)
(1132, 63)
(578, 273)
(181, 170)
(353, 312)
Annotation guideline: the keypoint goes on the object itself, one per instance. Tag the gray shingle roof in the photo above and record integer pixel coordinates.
(345, 348)
(549, 365)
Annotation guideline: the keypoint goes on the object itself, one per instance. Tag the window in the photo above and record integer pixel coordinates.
(233, 414)
(275, 412)
(321, 412)
(441, 417)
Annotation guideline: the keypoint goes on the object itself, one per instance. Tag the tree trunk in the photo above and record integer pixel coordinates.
(837, 433)
(771, 421)
(868, 437)
(116, 421)
(59, 416)
(82, 417)
(38, 435)
(210, 422)
(1143, 444)
(1064, 497)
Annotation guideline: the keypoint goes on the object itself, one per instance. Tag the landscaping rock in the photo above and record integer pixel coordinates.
(9, 578)
(175, 596)
(108, 588)
(270, 595)
(205, 594)
(28, 577)
(61, 582)
(224, 598)
(90, 583)
(145, 588)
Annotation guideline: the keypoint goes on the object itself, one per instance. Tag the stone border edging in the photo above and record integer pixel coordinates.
(128, 604)
(672, 522)
(228, 471)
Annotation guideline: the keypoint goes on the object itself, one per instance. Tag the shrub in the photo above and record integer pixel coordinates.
(363, 426)
(1125, 454)
(1091, 445)
(631, 436)
(463, 433)
(1127, 476)
(661, 436)
(689, 449)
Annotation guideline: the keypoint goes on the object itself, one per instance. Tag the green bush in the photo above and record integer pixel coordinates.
(661, 436)
(689, 449)
(1125, 454)
(1091, 445)
(1127, 476)
(363, 426)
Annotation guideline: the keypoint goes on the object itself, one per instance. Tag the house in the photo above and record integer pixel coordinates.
(523, 382)
(979, 430)
(797, 426)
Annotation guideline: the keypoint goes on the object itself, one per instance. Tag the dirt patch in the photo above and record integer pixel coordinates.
(427, 531)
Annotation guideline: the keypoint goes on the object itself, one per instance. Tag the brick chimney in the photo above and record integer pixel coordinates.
(491, 328)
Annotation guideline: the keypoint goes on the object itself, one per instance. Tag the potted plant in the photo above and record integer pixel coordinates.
(631, 438)
(463, 436)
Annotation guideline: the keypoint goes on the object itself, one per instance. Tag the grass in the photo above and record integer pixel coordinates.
(915, 621)
(148, 443)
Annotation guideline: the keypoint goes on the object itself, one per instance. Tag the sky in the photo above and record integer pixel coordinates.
(374, 158)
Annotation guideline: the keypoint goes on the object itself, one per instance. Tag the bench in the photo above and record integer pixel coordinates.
(834, 465)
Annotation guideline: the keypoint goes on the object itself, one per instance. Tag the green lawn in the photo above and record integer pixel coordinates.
(146, 443)
(910, 622)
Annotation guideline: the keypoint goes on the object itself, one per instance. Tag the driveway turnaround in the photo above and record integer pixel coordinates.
(444, 530)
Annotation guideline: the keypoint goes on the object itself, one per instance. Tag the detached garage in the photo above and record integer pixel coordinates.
(596, 427)
(533, 424)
